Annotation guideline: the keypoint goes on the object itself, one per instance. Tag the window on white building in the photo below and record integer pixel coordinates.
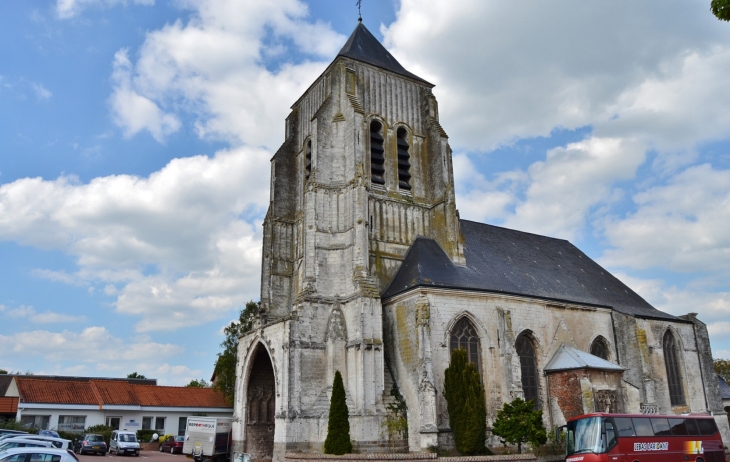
(113, 422)
(182, 424)
(146, 423)
(41, 422)
(160, 424)
(72, 423)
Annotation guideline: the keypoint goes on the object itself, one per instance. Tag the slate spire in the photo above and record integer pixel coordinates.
(363, 46)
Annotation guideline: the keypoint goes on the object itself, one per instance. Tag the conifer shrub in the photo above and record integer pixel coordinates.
(338, 426)
(465, 402)
(518, 422)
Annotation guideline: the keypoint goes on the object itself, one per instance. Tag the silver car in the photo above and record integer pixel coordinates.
(23, 443)
(30, 454)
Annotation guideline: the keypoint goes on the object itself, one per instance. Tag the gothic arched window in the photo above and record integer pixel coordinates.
(671, 361)
(599, 348)
(308, 160)
(528, 367)
(377, 157)
(404, 166)
(464, 336)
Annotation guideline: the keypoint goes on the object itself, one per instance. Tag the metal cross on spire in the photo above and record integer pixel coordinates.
(359, 13)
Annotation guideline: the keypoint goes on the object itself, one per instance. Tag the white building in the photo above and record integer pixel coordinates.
(75, 403)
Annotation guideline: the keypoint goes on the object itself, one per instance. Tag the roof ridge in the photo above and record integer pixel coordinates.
(518, 231)
(96, 393)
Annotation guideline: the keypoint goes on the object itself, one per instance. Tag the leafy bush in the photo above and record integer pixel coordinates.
(338, 426)
(553, 447)
(145, 436)
(465, 402)
(518, 422)
(73, 436)
(12, 424)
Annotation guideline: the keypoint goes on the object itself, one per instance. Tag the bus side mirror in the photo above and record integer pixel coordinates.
(559, 431)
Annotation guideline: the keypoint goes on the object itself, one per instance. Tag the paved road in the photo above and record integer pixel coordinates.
(146, 456)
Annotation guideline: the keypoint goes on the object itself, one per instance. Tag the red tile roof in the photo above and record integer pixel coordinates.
(116, 392)
(55, 391)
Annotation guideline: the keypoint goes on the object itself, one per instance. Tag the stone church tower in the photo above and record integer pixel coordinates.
(367, 269)
(365, 168)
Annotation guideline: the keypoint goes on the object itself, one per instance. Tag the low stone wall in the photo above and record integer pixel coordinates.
(410, 457)
(149, 446)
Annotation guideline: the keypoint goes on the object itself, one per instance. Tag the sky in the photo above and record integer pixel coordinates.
(135, 138)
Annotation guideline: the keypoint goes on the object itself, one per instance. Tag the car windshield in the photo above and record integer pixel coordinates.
(127, 438)
(584, 436)
(95, 438)
(180, 439)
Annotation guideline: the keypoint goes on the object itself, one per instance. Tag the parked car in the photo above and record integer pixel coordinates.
(50, 433)
(124, 443)
(4, 432)
(28, 454)
(91, 442)
(173, 445)
(23, 443)
(59, 443)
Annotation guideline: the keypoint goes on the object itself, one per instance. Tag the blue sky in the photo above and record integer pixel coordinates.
(135, 137)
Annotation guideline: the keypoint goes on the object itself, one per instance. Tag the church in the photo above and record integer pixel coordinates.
(367, 269)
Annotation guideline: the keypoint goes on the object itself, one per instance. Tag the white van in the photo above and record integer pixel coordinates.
(124, 443)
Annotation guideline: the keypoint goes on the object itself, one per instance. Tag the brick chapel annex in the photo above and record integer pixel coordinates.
(368, 269)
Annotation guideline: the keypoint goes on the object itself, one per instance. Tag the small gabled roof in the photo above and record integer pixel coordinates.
(363, 46)
(569, 358)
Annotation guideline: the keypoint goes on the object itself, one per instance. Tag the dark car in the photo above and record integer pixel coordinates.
(173, 445)
(91, 443)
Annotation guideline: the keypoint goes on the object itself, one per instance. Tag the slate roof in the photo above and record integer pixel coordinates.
(569, 358)
(724, 388)
(363, 46)
(116, 392)
(502, 260)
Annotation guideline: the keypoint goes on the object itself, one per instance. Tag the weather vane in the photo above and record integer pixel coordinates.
(359, 13)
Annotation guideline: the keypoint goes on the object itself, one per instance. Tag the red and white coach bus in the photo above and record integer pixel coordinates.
(643, 438)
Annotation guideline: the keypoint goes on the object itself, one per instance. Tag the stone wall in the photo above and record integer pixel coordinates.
(415, 457)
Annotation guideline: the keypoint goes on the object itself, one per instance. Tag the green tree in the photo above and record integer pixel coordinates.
(465, 402)
(135, 375)
(722, 368)
(225, 365)
(3, 372)
(195, 383)
(338, 426)
(518, 422)
(721, 9)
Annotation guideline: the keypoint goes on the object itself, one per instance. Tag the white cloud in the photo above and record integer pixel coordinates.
(184, 221)
(681, 226)
(134, 112)
(504, 72)
(92, 345)
(41, 92)
(556, 196)
(47, 317)
(213, 67)
(66, 9)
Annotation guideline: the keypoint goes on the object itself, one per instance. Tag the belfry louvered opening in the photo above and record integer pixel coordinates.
(308, 160)
(404, 156)
(377, 157)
